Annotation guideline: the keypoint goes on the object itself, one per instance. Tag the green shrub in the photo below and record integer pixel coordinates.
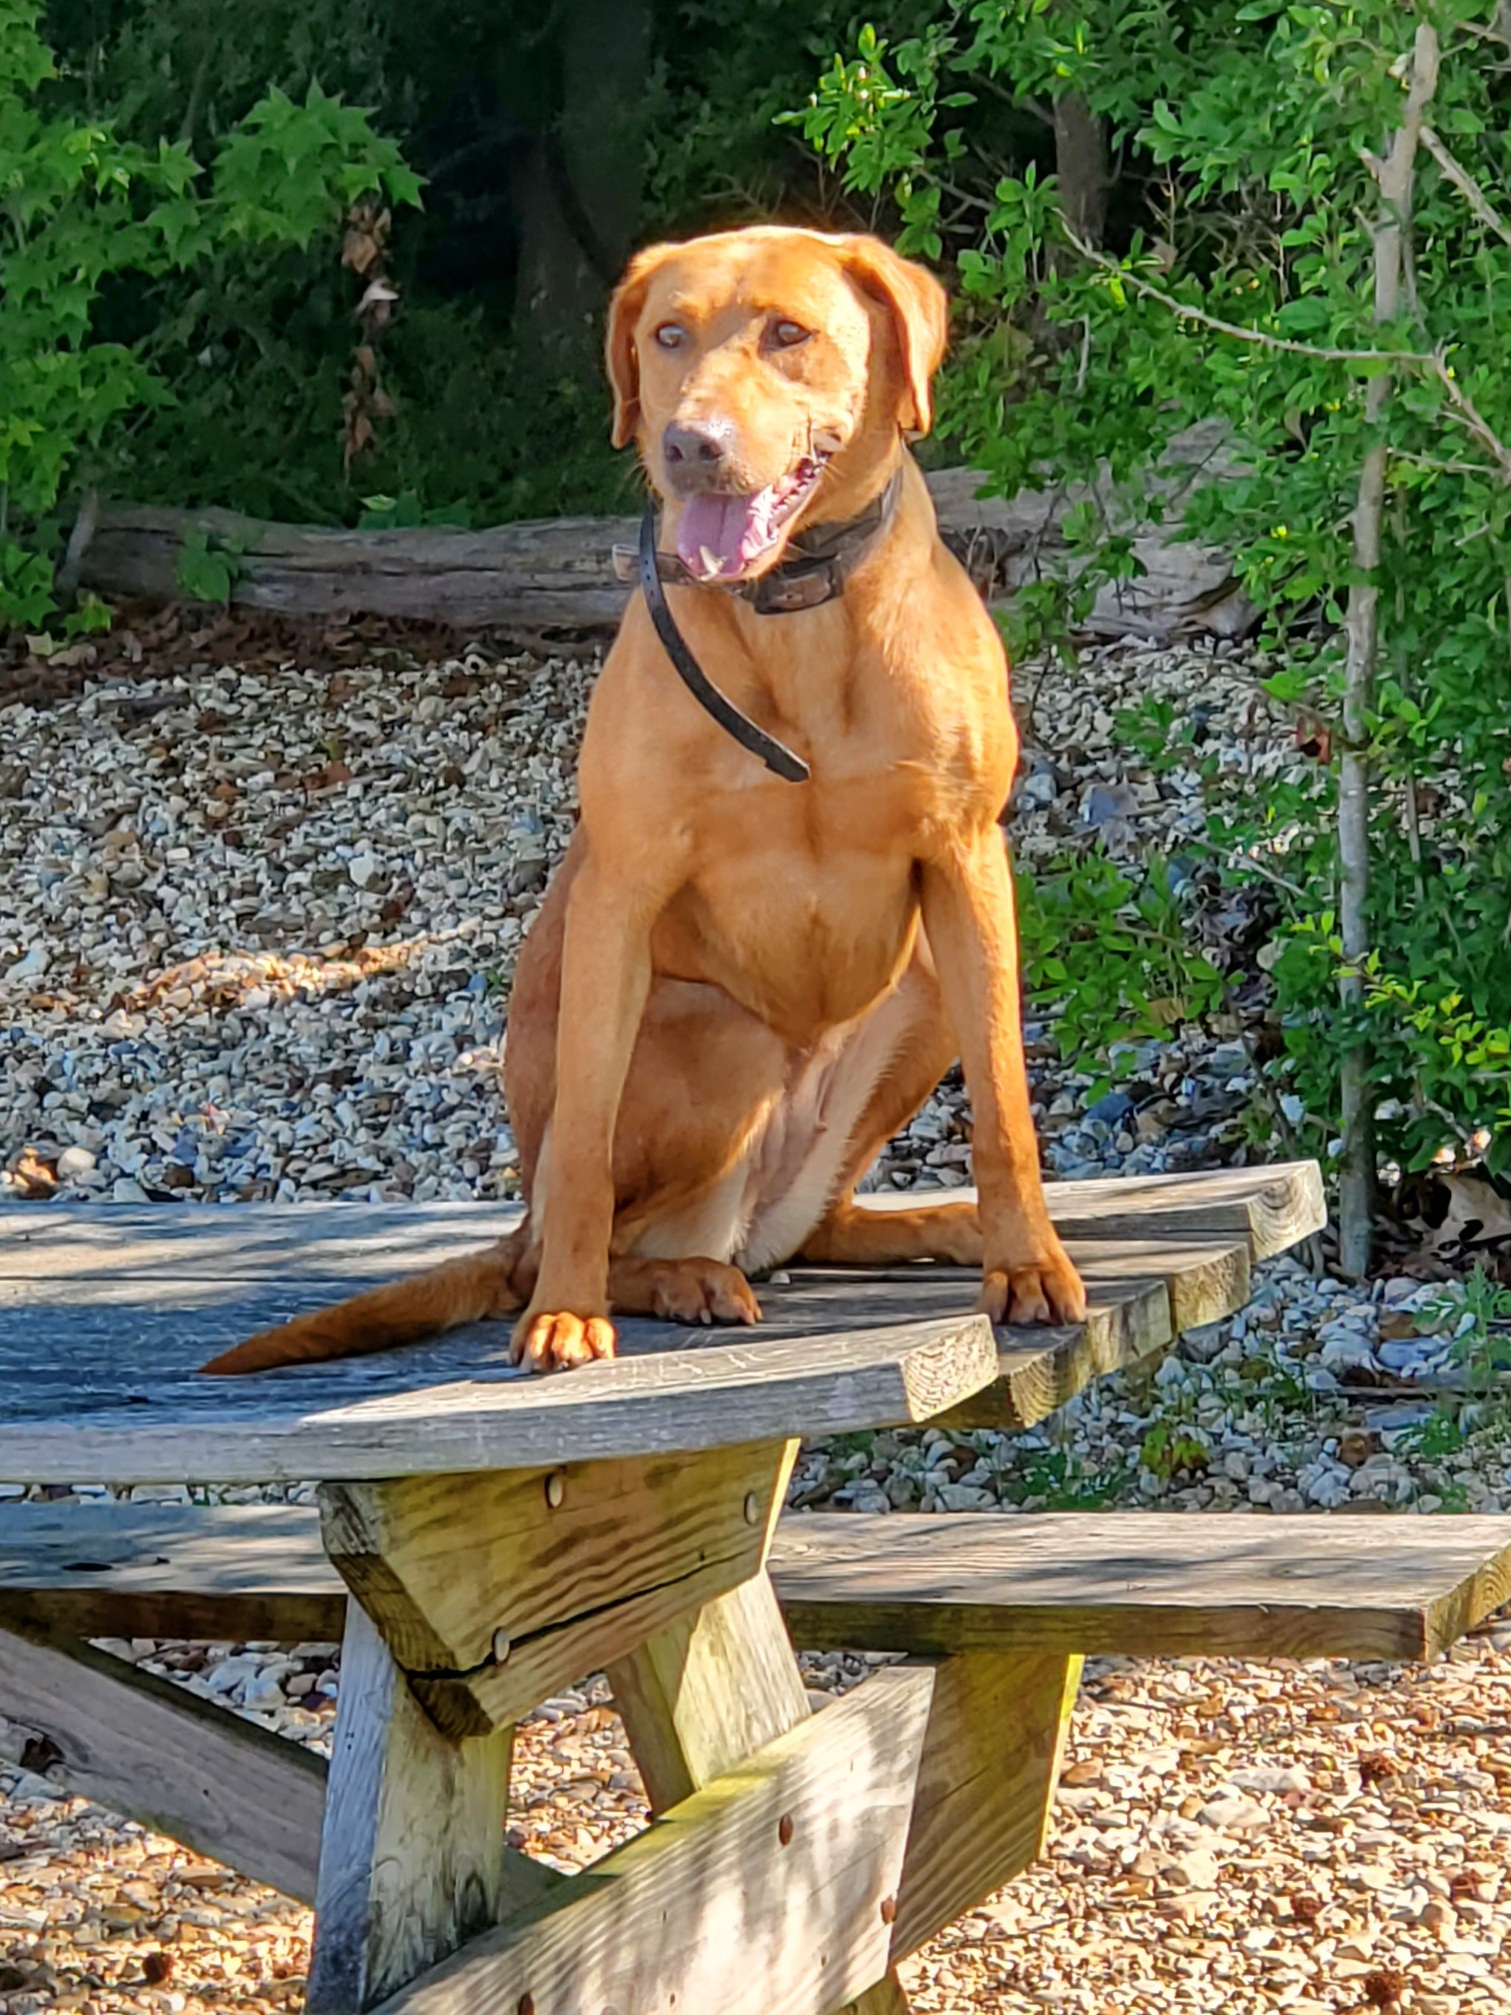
(1235, 278)
(82, 210)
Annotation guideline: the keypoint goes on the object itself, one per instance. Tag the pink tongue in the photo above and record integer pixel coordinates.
(712, 536)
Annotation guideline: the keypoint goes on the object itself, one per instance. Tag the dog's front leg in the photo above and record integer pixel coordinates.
(605, 978)
(968, 913)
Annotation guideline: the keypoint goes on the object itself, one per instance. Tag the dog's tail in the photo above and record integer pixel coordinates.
(385, 1318)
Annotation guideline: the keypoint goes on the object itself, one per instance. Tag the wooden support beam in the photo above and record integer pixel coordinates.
(769, 1892)
(494, 1590)
(157, 1753)
(412, 1853)
(702, 1696)
(991, 1760)
(699, 1698)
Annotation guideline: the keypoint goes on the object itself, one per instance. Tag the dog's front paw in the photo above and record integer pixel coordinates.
(1043, 1288)
(556, 1342)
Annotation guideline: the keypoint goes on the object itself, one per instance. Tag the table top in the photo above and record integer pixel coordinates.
(106, 1311)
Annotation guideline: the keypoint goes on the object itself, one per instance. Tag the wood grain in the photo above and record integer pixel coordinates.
(761, 1894)
(991, 1760)
(159, 1754)
(1149, 1584)
(1086, 1581)
(447, 1565)
(1275, 1205)
(552, 576)
(412, 1850)
(229, 1573)
(699, 1698)
(144, 1295)
(1143, 1292)
(459, 1405)
(562, 1569)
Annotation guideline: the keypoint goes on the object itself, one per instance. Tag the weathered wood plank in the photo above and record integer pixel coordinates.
(1084, 1581)
(114, 1569)
(562, 1569)
(1150, 1584)
(143, 1309)
(699, 1698)
(991, 1760)
(355, 1244)
(485, 1416)
(761, 1894)
(1143, 1293)
(155, 1752)
(412, 1850)
(1275, 1204)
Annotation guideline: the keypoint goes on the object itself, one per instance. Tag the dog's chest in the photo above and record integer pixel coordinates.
(801, 905)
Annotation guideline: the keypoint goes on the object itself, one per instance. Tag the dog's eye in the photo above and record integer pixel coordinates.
(787, 335)
(671, 335)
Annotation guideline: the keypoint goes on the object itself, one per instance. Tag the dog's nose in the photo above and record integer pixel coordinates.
(697, 454)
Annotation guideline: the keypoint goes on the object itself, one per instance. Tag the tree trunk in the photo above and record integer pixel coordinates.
(1081, 166)
(1356, 1183)
(578, 196)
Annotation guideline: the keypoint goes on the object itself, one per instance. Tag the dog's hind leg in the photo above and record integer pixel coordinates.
(681, 1290)
(854, 1236)
(949, 1231)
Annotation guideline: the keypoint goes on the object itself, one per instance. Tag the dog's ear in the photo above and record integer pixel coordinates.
(623, 365)
(920, 315)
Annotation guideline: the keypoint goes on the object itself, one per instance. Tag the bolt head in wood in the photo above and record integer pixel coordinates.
(889, 1909)
(752, 1508)
(556, 1489)
(785, 1829)
(501, 1649)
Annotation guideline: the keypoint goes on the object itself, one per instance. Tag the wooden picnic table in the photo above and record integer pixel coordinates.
(503, 1535)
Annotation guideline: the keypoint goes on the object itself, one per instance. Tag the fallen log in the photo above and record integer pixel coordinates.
(550, 578)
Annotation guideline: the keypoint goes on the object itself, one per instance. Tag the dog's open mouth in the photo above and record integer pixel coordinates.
(723, 538)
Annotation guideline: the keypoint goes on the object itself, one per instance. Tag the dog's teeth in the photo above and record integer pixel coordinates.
(711, 561)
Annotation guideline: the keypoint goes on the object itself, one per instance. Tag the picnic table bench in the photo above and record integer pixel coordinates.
(502, 1536)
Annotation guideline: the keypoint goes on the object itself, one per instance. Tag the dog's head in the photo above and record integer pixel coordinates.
(762, 372)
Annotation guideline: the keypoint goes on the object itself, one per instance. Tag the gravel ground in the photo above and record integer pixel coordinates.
(256, 941)
(1321, 1837)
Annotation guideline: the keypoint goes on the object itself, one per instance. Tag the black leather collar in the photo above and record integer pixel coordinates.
(823, 559)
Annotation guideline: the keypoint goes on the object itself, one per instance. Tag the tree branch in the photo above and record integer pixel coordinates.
(1356, 1175)
(1473, 418)
(1430, 361)
(1187, 311)
(1466, 185)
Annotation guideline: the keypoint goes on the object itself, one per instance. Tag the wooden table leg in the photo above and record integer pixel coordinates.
(478, 1595)
(991, 1760)
(412, 1849)
(885, 1998)
(700, 1697)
